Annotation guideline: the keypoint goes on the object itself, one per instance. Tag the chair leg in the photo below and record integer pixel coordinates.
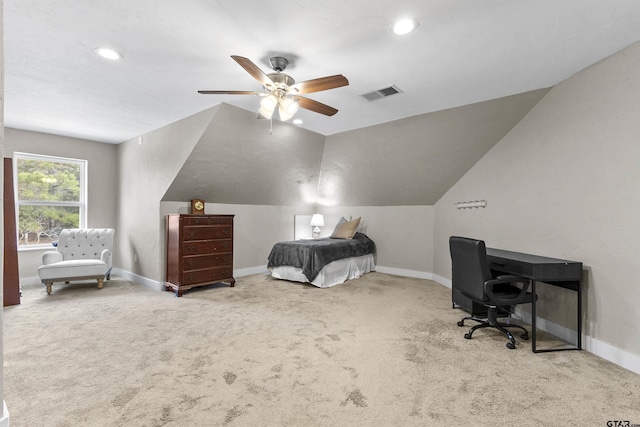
(48, 285)
(492, 322)
(525, 333)
(475, 319)
(482, 325)
(512, 341)
(100, 283)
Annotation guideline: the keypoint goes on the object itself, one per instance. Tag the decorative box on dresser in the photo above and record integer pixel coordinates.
(199, 251)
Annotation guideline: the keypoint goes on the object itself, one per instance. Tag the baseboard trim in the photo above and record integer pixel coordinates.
(442, 280)
(159, 286)
(4, 420)
(613, 354)
(405, 273)
(261, 269)
(140, 280)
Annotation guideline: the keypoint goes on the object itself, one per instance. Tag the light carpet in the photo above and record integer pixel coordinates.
(381, 350)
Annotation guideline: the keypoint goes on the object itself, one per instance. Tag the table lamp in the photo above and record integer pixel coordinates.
(317, 221)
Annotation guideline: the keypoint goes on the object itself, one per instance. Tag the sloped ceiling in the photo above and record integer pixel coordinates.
(239, 160)
(414, 161)
(411, 161)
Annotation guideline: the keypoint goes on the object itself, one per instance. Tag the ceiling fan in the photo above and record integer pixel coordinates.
(282, 92)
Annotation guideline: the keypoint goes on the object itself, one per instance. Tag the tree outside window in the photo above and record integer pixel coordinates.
(50, 196)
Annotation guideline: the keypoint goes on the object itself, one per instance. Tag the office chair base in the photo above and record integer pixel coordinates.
(492, 323)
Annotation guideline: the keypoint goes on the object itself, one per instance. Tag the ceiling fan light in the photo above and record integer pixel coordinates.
(269, 103)
(287, 109)
(267, 114)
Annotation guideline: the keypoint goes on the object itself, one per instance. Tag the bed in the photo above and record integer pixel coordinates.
(323, 262)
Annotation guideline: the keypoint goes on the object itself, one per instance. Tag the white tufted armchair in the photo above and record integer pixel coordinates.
(81, 254)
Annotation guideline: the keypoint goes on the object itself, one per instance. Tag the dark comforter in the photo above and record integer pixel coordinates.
(312, 255)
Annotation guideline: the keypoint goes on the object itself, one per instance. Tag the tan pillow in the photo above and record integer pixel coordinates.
(346, 229)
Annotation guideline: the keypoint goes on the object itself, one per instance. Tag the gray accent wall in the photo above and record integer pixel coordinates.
(147, 166)
(565, 182)
(414, 161)
(240, 160)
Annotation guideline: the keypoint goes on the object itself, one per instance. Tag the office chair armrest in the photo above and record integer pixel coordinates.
(503, 300)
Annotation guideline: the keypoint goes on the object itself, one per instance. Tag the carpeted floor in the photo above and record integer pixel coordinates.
(377, 351)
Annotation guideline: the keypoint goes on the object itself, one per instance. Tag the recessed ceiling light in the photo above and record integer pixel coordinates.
(108, 53)
(297, 122)
(404, 26)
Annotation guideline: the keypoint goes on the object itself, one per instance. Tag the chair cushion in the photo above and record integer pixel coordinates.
(73, 269)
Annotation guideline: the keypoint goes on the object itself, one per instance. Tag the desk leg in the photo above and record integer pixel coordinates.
(579, 315)
(533, 316)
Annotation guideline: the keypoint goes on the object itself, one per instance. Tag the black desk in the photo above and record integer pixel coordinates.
(557, 272)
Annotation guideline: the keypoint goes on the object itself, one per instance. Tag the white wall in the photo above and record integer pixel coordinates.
(565, 183)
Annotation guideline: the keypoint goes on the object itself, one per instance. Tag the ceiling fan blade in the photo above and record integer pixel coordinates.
(317, 85)
(229, 92)
(315, 106)
(253, 69)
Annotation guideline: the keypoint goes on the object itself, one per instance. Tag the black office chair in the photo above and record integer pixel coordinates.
(472, 277)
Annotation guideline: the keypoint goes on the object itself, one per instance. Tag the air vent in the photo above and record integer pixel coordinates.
(381, 93)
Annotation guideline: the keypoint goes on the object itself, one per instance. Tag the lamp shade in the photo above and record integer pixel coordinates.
(268, 105)
(287, 109)
(317, 220)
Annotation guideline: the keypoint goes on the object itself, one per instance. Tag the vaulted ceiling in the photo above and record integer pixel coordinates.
(463, 52)
(412, 161)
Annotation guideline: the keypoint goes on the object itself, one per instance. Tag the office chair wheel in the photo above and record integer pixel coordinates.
(524, 336)
(460, 322)
(511, 345)
(467, 336)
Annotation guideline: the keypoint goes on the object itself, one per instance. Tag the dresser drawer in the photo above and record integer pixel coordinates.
(207, 220)
(206, 261)
(210, 275)
(202, 232)
(202, 247)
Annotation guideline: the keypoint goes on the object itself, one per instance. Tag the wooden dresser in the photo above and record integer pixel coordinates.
(199, 251)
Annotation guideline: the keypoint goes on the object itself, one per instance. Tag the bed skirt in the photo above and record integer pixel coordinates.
(332, 274)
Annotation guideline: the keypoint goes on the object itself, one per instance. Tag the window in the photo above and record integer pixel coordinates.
(50, 195)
